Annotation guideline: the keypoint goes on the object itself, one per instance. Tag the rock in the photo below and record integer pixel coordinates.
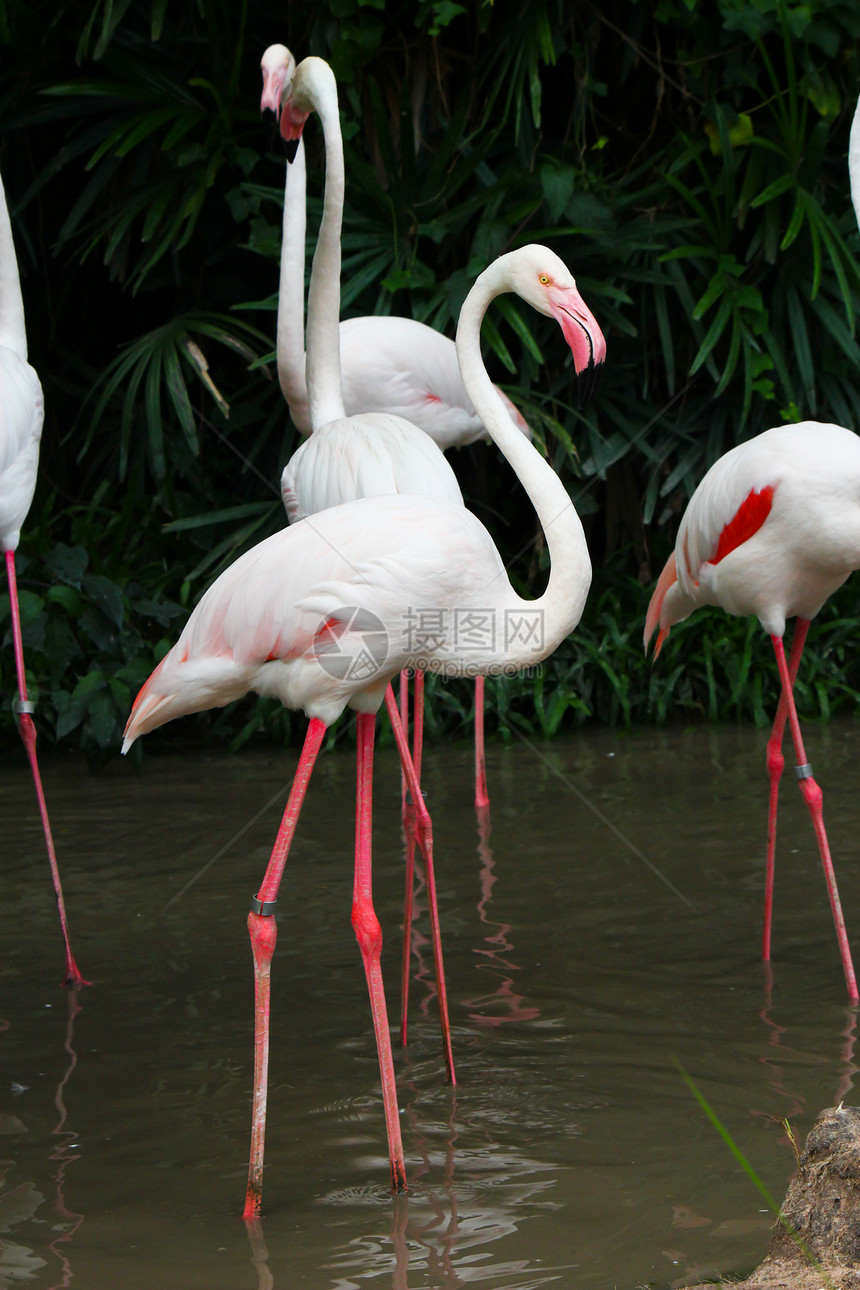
(816, 1241)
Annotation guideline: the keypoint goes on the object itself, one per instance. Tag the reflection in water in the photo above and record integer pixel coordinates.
(442, 1232)
(497, 1006)
(63, 1152)
(571, 1137)
(798, 1104)
(502, 1004)
(259, 1254)
(19, 1262)
(849, 1036)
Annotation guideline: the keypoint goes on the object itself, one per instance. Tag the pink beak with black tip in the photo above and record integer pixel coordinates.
(583, 335)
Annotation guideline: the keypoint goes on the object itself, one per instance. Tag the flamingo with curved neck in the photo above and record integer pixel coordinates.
(299, 615)
(389, 364)
(349, 457)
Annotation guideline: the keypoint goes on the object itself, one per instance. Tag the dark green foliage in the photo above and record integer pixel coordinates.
(687, 158)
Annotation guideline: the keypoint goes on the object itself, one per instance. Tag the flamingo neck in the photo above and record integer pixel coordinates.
(570, 566)
(291, 292)
(325, 383)
(854, 161)
(13, 334)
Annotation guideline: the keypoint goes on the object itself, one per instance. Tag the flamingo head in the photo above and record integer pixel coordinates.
(545, 282)
(278, 67)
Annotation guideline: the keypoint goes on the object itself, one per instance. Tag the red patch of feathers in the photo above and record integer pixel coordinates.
(748, 519)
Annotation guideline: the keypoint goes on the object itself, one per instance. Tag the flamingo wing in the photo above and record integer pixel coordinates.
(350, 580)
(22, 412)
(402, 366)
(365, 456)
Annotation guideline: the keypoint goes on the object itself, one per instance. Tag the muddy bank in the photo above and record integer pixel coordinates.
(816, 1241)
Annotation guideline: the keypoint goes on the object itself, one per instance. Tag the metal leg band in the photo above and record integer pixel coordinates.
(803, 772)
(23, 705)
(264, 907)
(409, 796)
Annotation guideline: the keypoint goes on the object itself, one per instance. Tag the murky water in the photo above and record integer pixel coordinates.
(572, 1152)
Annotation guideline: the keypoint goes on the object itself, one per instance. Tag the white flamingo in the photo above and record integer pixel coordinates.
(389, 364)
(396, 372)
(772, 530)
(21, 414)
(322, 616)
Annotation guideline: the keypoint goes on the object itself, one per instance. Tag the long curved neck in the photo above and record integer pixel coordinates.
(570, 566)
(325, 383)
(13, 334)
(291, 288)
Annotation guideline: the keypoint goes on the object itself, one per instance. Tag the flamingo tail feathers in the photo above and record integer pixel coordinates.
(667, 578)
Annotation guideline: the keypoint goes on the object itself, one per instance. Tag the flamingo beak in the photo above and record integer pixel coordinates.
(292, 124)
(270, 99)
(270, 102)
(583, 335)
(273, 83)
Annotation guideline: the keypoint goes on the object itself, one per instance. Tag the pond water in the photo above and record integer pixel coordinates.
(602, 939)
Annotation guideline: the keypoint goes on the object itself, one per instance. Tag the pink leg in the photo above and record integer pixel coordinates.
(407, 921)
(409, 825)
(775, 764)
(263, 932)
(404, 717)
(424, 835)
(369, 937)
(28, 734)
(813, 798)
(418, 736)
(482, 800)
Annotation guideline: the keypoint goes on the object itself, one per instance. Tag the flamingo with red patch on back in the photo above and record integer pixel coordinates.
(773, 530)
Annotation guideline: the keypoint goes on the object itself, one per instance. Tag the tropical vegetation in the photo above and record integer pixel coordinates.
(687, 158)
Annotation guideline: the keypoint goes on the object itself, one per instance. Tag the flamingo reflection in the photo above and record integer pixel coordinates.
(18, 1206)
(65, 1152)
(501, 1005)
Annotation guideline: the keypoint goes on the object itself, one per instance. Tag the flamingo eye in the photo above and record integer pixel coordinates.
(544, 279)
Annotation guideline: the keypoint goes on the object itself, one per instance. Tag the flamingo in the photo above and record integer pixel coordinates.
(365, 454)
(22, 412)
(389, 364)
(321, 615)
(772, 530)
(399, 373)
